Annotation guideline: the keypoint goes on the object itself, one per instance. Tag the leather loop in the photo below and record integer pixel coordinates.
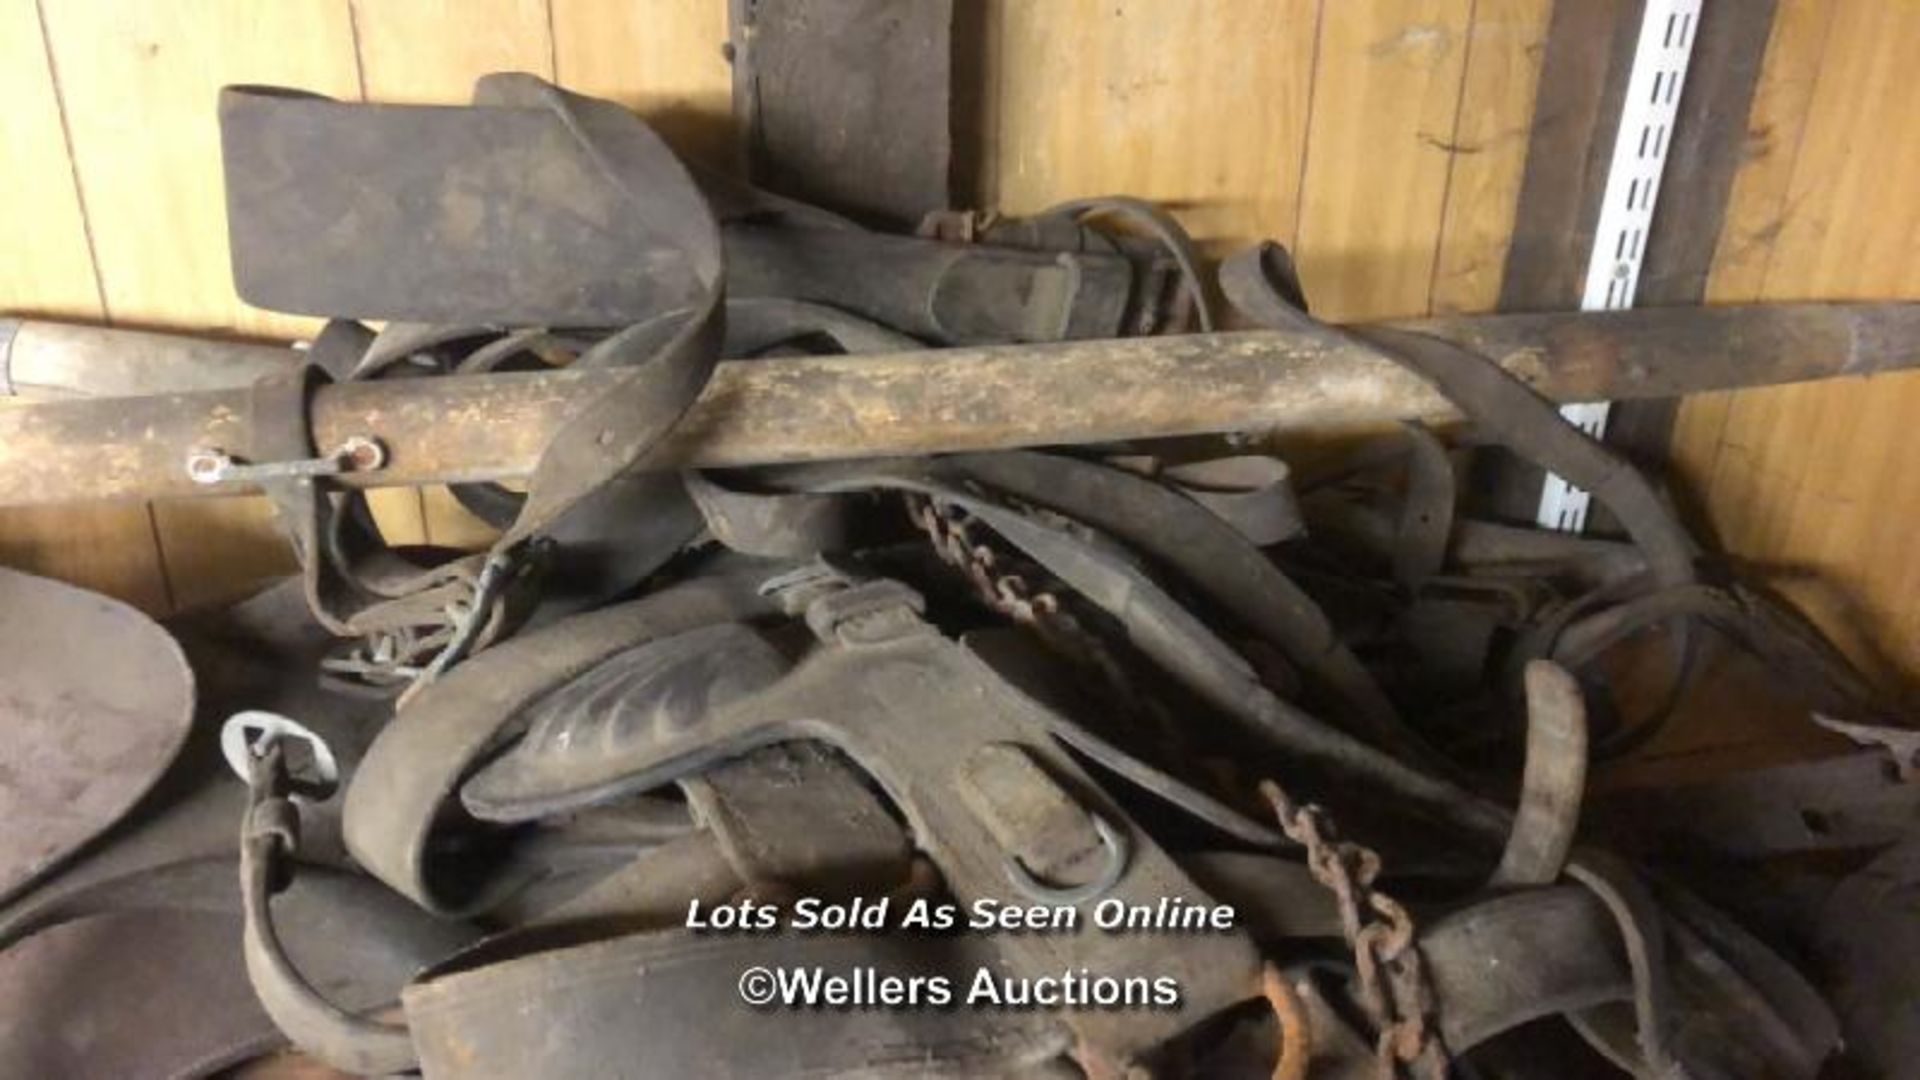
(269, 834)
(1554, 782)
(410, 773)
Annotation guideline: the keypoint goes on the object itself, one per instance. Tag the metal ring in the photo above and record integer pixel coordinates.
(361, 453)
(246, 735)
(205, 466)
(1112, 839)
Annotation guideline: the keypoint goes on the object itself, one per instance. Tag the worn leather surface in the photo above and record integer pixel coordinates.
(97, 702)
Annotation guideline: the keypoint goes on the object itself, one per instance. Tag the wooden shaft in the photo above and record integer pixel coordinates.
(494, 427)
(42, 360)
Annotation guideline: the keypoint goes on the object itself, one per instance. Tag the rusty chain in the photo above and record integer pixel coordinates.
(1393, 983)
(1011, 594)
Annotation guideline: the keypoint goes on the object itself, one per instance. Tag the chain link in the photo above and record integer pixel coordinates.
(1011, 594)
(1393, 984)
(951, 530)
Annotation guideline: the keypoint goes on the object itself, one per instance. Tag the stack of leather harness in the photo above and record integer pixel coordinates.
(1127, 674)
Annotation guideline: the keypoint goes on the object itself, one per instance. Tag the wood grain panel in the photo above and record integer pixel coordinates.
(1386, 92)
(429, 52)
(1820, 478)
(1775, 130)
(664, 60)
(109, 549)
(139, 81)
(1489, 152)
(50, 272)
(1754, 211)
(1202, 107)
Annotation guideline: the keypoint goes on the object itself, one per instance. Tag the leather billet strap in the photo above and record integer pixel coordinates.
(280, 432)
(756, 324)
(1708, 999)
(939, 293)
(663, 381)
(797, 818)
(776, 525)
(1109, 283)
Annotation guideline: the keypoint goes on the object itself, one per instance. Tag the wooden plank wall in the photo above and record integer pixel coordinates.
(1821, 483)
(1383, 139)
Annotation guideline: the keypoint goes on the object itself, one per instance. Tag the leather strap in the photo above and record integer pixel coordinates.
(651, 1003)
(1554, 781)
(292, 157)
(310, 1019)
(1509, 409)
(412, 770)
(1157, 624)
(1205, 551)
(1426, 514)
(1251, 492)
(1502, 962)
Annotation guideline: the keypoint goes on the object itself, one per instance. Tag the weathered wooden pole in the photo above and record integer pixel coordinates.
(493, 427)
